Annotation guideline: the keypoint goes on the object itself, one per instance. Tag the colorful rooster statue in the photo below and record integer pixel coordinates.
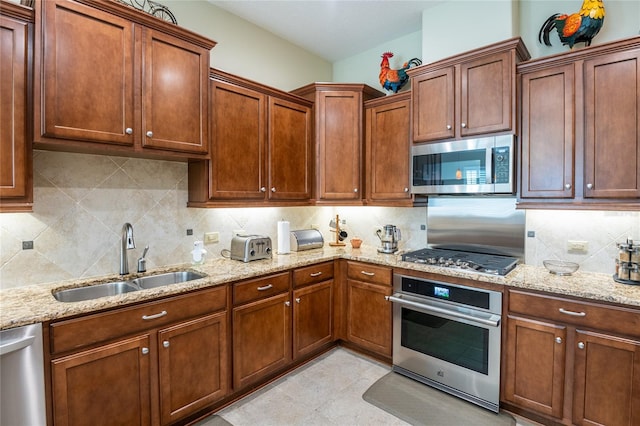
(395, 79)
(579, 27)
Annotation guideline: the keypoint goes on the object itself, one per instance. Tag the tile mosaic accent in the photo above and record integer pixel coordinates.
(82, 201)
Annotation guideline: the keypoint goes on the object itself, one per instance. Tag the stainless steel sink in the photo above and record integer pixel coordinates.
(94, 291)
(160, 280)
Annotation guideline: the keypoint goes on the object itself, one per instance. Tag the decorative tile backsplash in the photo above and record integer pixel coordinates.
(82, 202)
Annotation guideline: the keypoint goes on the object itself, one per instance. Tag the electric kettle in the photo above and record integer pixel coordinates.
(389, 236)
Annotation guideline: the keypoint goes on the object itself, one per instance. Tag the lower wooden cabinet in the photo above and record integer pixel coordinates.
(368, 312)
(312, 318)
(261, 339)
(583, 369)
(153, 376)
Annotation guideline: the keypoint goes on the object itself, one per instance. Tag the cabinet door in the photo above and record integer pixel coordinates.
(261, 339)
(87, 74)
(369, 316)
(312, 317)
(548, 137)
(107, 385)
(612, 128)
(289, 164)
(339, 115)
(16, 187)
(193, 366)
(486, 95)
(388, 143)
(238, 128)
(433, 105)
(607, 380)
(175, 94)
(535, 356)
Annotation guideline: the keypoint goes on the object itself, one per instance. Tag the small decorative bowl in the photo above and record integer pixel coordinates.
(560, 267)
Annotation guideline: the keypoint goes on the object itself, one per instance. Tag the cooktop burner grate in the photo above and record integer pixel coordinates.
(480, 262)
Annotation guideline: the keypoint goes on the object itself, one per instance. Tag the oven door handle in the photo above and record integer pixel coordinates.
(397, 298)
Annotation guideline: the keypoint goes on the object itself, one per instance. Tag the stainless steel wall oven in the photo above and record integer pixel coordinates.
(448, 336)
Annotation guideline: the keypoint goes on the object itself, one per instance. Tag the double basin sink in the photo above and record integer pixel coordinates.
(119, 287)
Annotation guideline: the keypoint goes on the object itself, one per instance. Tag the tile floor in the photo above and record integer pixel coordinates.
(326, 391)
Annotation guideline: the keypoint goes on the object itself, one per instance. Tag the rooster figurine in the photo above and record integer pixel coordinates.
(579, 27)
(395, 79)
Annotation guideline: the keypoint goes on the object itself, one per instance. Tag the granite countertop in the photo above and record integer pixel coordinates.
(32, 304)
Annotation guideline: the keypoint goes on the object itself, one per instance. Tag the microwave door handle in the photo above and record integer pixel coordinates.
(489, 161)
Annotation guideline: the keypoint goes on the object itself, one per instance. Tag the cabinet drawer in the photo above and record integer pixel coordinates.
(75, 333)
(247, 291)
(313, 274)
(585, 314)
(369, 273)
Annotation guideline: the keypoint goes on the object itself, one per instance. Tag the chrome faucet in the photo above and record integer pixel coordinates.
(127, 244)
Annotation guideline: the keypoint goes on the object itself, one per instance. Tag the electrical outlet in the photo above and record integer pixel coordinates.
(27, 245)
(211, 237)
(578, 246)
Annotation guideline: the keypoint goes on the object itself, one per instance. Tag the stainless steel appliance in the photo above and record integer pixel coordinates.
(306, 239)
(470, 166)
(479, 262)
(22, 400)
(250, 247)
(389, 236)
(448, 336)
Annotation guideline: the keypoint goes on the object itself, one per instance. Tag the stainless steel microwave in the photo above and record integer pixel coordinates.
(471, 166)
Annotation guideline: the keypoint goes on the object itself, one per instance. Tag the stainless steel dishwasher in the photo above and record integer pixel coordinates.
(22, 377)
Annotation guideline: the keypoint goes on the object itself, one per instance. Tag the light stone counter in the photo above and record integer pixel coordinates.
(31, 304)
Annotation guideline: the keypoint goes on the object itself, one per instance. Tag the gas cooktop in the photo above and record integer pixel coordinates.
(480, 262)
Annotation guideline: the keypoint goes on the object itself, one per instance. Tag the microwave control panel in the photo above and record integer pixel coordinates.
(501, 160)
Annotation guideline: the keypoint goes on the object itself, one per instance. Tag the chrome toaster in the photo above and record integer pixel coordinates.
(250, 247)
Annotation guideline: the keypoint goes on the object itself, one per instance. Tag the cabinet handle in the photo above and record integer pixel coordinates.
(265, 287)
(464, 125)
(145, 351)
(297, 300)
(448, 126)
(165, 343)
(406, 189)
(273, 189)
(355, 189)
(575, 314)
(149, 134)
(287, 303)
(315, 274)
(567, 186)
(369, 274)
(154, 316)
(580, 345)
(263, 189)
(128, 131)
(589, 186)
(558, 339)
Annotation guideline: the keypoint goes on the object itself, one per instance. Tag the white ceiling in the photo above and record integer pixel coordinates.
(332, 29)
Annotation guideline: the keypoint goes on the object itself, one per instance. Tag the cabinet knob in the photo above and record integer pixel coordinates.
(448, 126)
(581, 345)
(567, 186)
(273, 189)
(149, 134)
(355, 189)
(145, 351)
(165, 343)
(464, 125)
(287, 303)
(558, 339)
(297, 300)
(406, 189)
(128, 131)
(263, 189)
(589, 186)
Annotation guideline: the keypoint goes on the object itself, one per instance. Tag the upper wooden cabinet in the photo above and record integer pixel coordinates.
(16, 51)
(580, 132)
(260, 147)
(469, 94)
(111, 79)
(339, 130)
(387, 151)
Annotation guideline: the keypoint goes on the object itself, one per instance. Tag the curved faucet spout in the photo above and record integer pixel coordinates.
(127, 244)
